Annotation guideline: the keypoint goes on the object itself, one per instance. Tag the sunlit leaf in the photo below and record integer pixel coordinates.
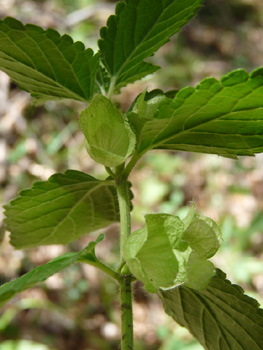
(223, 117)
(60, 210)
(140, 28)
(46, 64)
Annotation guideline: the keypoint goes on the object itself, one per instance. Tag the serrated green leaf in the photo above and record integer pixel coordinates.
(61, 209)
(222, 117)
(110, 140)
(46, 64)
(41, 273)
(140, 28)
(221, 317)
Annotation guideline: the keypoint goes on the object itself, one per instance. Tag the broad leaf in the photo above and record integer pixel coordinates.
(110, 140)
(61, 210)
(41, 273)
(45, 64)
(221, 317)
(139, 28)
(222, 117)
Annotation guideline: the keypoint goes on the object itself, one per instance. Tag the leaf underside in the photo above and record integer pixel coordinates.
(140, 28)
(46, 64)
(41, 273)
(60, 210)
(221, 317)
(110, 140)
(220, 117)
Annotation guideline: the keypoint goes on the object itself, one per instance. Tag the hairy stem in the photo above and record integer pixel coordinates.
(126, 313)
(125, 218)
(126, 280)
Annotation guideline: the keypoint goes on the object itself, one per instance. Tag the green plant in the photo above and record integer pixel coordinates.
(169, 255)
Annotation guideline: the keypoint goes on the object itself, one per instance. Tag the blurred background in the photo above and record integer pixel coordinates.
(78, 309)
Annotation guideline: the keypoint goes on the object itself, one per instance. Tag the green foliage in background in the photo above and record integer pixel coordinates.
(169, 255)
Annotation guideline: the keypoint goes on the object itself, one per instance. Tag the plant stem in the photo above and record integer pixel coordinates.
(131, 164)
(126, 313)
(125, 280)
(124, 206)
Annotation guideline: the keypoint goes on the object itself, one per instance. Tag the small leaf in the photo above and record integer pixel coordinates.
(140, 28)
(110, 140)
(221, 317)
(189, 217)
(149, 251)
(204, 236)
(60, 210)
(199, 272)
(163, 254)
(44, 63)
(222, 117)
(41, 273)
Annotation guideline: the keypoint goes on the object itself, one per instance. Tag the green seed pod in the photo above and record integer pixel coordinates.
(110, 140)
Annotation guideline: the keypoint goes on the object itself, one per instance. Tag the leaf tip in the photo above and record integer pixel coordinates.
(256, 73)
(119, 8)
(13, 23)
(235, 77)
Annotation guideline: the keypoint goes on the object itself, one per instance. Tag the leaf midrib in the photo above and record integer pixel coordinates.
(72, 209)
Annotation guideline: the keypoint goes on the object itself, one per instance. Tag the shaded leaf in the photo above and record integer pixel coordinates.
(46, 64)
(222, 117)
(140, 28)
(41, 273)
(221, 317)
(110, 140)
(61, 210)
